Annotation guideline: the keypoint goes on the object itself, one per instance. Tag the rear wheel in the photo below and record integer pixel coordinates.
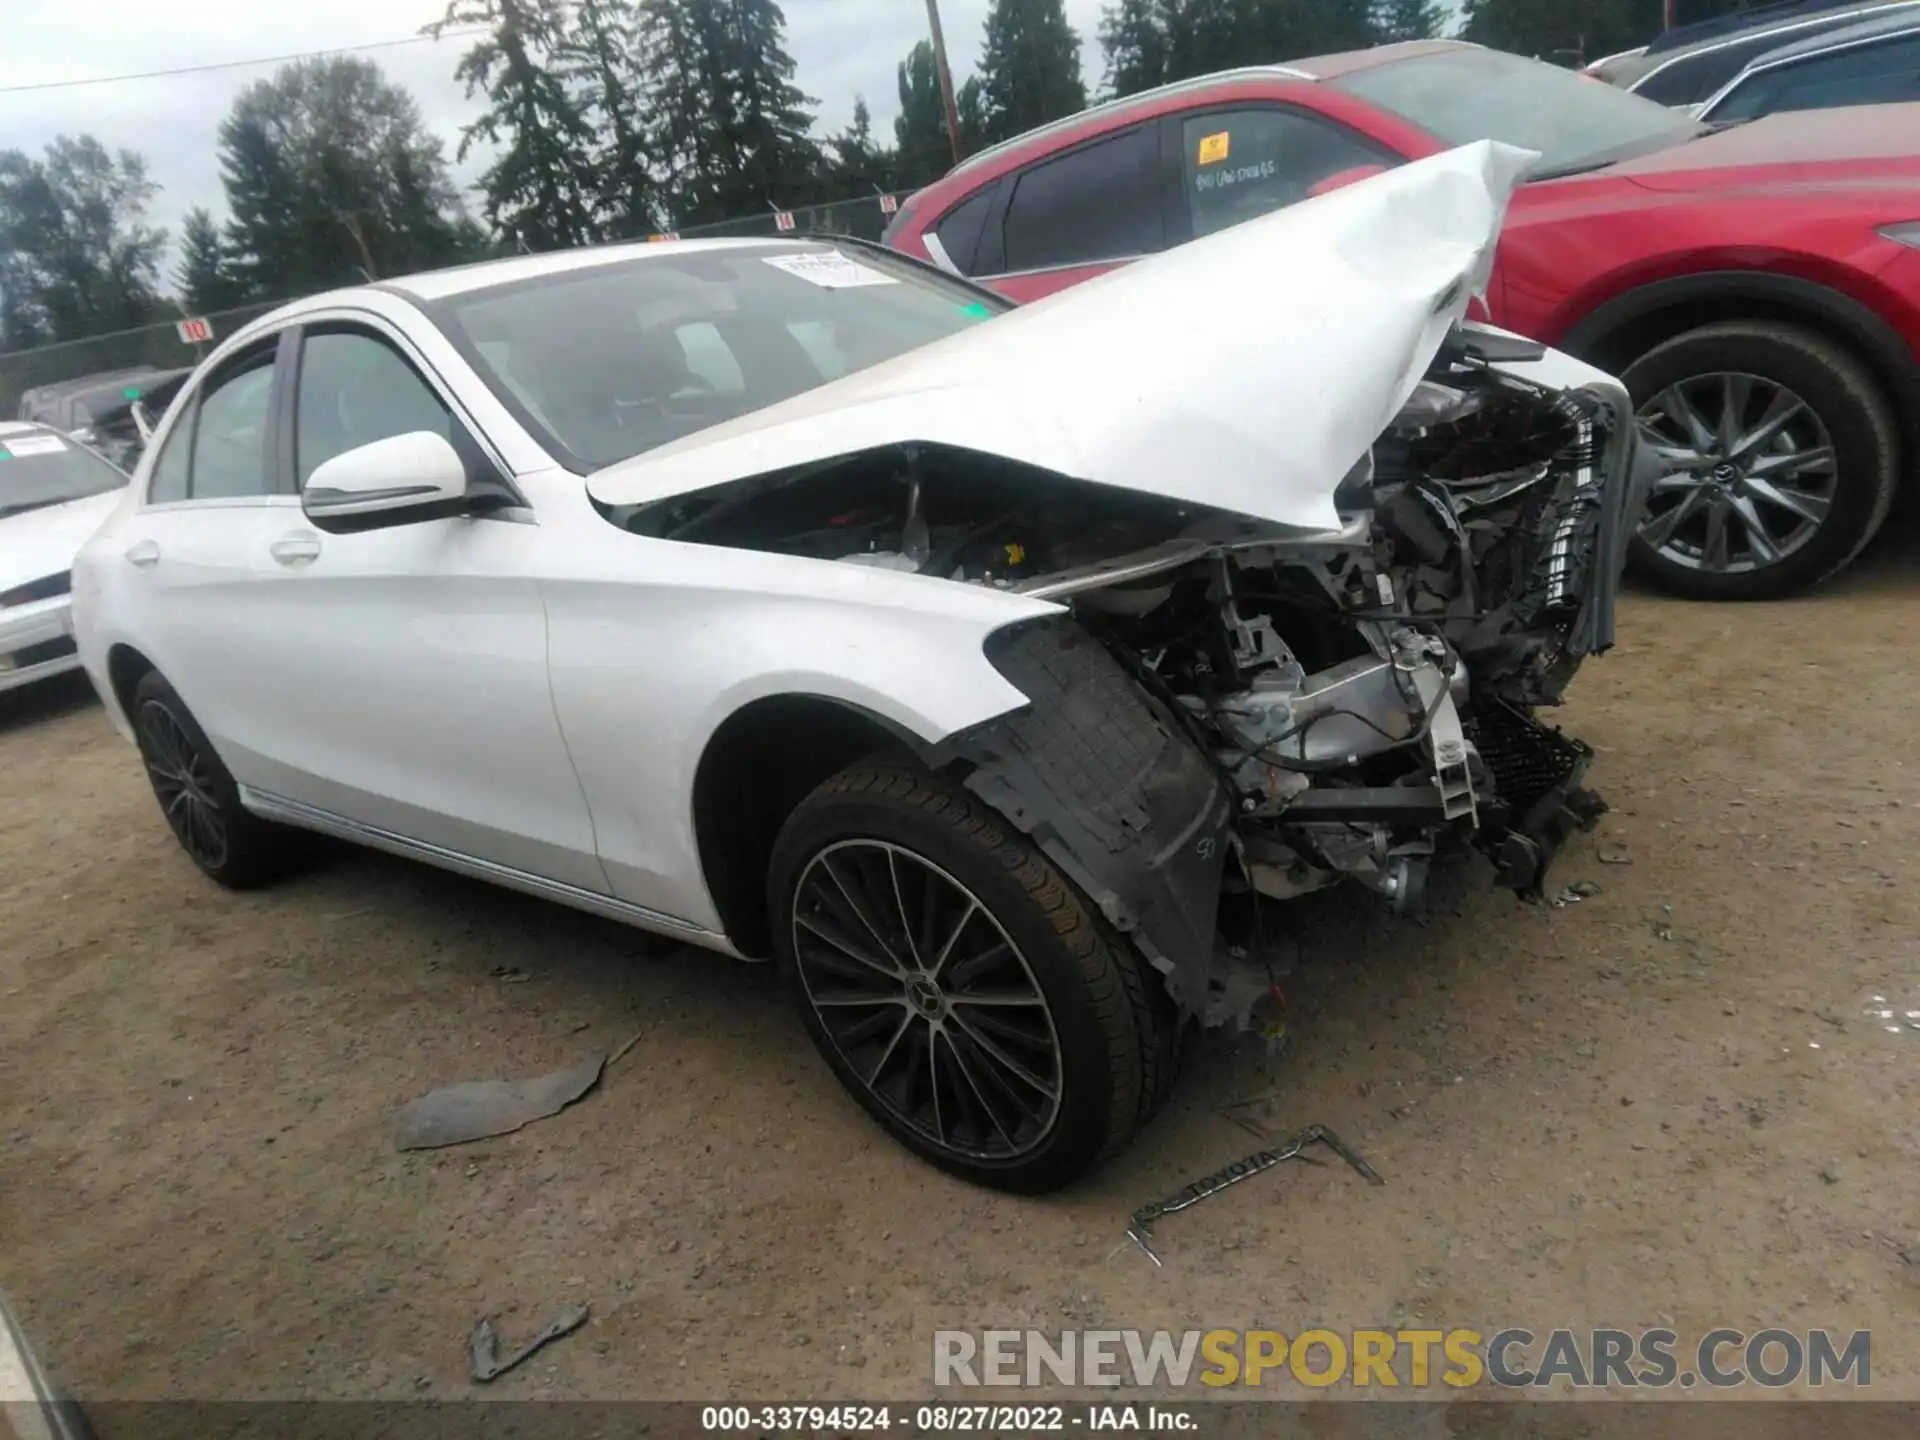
(198, 796)
(958, 986)
(1783, 456)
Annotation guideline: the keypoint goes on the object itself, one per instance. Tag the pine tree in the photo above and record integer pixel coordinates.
(971, 103)
(1396, 20)
(77, 257)
(730, 125)
(331, 178)
(206, 280)
(598, 60)
(859, 162)
(1569, 32)
(1029, 67)
(1136, 37)
(542, 191)
(1155, 42)
(921, 148)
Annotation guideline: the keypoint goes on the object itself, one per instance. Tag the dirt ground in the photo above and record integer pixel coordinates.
(1673, 1103)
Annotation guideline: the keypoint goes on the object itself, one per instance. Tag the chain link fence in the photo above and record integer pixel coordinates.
(159, 345)
(863, 218)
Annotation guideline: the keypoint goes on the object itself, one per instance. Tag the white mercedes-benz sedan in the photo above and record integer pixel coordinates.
(986, 670)
(54, 492)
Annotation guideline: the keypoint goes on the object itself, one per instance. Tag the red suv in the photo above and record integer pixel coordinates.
(1756, 286)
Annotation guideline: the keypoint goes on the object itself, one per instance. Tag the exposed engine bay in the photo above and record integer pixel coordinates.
(1262, 709)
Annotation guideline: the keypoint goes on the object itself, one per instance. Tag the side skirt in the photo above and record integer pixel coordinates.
(269, 806)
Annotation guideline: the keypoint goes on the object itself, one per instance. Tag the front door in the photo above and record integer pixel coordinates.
(405, 668)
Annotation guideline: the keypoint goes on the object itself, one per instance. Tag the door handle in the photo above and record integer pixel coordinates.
(143, 553)
(295, 549)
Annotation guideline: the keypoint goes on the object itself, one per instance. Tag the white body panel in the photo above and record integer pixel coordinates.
(527, 696)
(33, 546)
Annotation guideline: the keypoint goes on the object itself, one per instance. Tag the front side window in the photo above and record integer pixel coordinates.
(356, 389)
(608, 361)
(38, 468)
(1882, 74)
(1093, 204)
(1244, 163)
(229, 458)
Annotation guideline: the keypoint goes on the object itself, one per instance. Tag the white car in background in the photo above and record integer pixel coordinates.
(787, 597)
(53, 494)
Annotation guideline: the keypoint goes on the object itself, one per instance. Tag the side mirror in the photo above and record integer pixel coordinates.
(401, 480)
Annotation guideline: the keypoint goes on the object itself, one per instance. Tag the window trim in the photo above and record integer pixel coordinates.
(1010, 183)
(1766, 66)
(187, 427)
(1180, 214)
(483, 457)
(1772, 34)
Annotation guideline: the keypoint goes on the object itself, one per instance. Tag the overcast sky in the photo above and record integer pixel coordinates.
(843, 48)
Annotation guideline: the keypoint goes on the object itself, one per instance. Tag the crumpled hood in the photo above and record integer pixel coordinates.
(1248, 371)
(37, 543)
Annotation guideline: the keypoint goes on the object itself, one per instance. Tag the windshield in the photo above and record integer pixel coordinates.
(1466, 95)
(38, 467)
(604, 363)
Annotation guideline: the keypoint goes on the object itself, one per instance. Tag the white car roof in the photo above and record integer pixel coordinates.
(439, 284)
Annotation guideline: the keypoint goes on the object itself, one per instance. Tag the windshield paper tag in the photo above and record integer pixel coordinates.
(830, 270)
(22, 446)
(1215, 148)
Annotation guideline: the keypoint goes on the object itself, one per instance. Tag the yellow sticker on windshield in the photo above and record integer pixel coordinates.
(1213, 148)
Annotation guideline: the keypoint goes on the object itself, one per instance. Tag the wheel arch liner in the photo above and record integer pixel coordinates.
(1111, 790)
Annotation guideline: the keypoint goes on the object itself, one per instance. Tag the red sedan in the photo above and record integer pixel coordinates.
(1756, 286)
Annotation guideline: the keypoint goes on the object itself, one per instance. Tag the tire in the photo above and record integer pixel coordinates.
(198, 796)
(1073, 1004)
(1816, 517)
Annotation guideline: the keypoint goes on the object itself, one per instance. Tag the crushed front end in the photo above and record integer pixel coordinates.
(1351, 704)
(1226, 705)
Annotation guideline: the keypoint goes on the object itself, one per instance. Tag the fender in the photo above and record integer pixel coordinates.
(1883, 347)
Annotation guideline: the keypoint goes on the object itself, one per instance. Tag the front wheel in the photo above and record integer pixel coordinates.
(1782, 457)
(958, 986)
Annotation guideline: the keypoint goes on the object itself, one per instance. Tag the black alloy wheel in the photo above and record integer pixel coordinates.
(926, 998)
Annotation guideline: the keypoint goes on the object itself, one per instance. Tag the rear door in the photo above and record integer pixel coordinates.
(1073, 215)
(196, 546)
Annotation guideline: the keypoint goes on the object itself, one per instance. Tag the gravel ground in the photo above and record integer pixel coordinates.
(1675, 1102)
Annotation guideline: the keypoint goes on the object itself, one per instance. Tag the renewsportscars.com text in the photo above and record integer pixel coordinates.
(1512, 1358)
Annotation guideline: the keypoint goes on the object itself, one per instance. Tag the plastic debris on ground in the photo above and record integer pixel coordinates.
(477, 1109)
(484, 1343)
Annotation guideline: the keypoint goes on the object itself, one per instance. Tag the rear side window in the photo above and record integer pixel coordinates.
(1095, 203)
(230, 440)
(218, 449)
(1880, 74)
(1240, 164)
(962, 228)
